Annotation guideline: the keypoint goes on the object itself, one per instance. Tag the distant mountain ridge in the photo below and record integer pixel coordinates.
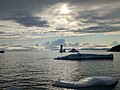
(115, 49)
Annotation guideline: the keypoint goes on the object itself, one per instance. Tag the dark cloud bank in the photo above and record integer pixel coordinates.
(29, 21)
(22, 11)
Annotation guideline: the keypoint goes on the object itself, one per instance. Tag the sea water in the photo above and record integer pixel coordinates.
(34, 70)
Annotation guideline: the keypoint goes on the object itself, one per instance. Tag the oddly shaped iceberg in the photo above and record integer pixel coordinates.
(89, 83)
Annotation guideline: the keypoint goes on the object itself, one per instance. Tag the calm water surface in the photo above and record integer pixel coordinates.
(34, 70)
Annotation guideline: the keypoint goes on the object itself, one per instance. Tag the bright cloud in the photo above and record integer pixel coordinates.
(43, 18)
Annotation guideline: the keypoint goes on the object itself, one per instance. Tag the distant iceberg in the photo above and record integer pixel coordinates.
(115, 49)
(2, 50)
(73, 50)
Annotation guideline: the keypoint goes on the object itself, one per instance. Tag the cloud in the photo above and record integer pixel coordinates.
(46, 44)
(7, 7)
(2, 32)
(115, 43)
(54, 43)
(29, 21)
(57, 42)
(9, 36)
(105, 11)
(87, 16)
(98, 29)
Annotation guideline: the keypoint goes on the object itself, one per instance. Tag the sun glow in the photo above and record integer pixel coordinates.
(64, 9)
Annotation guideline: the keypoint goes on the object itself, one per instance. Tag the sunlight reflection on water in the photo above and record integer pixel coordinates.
(33, 70)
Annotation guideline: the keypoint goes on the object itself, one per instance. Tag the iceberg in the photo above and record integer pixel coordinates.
(79, 56)
(89, 83)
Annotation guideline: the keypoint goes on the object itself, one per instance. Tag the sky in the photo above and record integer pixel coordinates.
(51, 19)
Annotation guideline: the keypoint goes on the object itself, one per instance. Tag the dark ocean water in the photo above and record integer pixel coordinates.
(34, 70)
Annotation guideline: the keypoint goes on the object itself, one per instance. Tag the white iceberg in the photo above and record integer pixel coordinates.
(89, 83)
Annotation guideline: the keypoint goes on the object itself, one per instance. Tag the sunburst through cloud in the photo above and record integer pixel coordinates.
(64, 9)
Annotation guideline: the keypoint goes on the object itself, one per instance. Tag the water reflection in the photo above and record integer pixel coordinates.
(34, 70)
